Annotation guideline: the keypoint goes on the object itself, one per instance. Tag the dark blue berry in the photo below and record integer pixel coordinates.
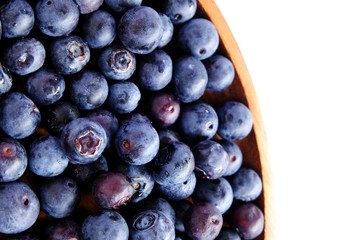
(137, 141)
(246, 185)
(17, 18)
(47, 158)
(13, 160)
(168, 30)
(179, 11)
(19, 116)
(99, 29)
(180, 210)
(167, 135)
(24, 56)
(140, 29)
(164, 109)
(235, 120)
(117, 63)
(59, 197)
(19, 207)
(56, 18)
(227, 233)
(235, 155)
(88, 6)
(220, 71)
(6, 81)
(159, 204)
(189, 79)
(69, 54)
(121, 6)
(123, 97)
(45, 86)
(198, 38)
(179, 191)
(106, 224)
(88, 90)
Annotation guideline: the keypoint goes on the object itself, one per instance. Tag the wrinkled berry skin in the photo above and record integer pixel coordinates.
(179, 11)
(88, 6)
(6, 80)
(13, 160)
(99, 29)
(220, 71)
(137, 141)
(121, 6)
(17, 18)
(59, 197)
(140, 29)
(106, 224)
(112, 190)
(173, 164)
(24, 56)
(203, 221)
(197, 122)
(151, 224)
(211, 159)
(164, 109)
(124, 97)
(47, 158)
(62, 229)
(56, 18)
(19, 207)
(189, 79)
(168, 30)
(198, 38)
(19, 116)
(235, 121)
(57, 116)
(117, 63)
(89, 90)
(246, 184)
(69, 54)
(235, 155)
(83, 140)
(155, 70)
(179, 191)
(45, 87)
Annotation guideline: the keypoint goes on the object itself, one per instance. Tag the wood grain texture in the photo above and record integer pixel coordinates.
(254, 146)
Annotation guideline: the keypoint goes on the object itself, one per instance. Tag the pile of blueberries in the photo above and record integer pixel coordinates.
(104, 133)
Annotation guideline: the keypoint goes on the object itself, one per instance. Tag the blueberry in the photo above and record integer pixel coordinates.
(88, 6)
(173, 164)
(19, 207)
(106, 224)
(159, 204)
(220, 71)
(136, 140)
(57, 116)
(246, 184)
(235, 155)
(167, 135)
(59, 197)
(198, 38)
(164, 109)
(203, 221)
(197, 122)
(227, 233)
(189, 79)
(124, 97)
(140, 29)
(235, 120)
(99, 29)
(168, 30)
(121, 6)
(112, 190)
(179, 11)
(88, 90)
(151, 224)
(62, 229)
(24, 56)
(211, 159)
(45, 86)
(56, 18)
(17, 18)
(13, 160)
(217, 192)
(6, 81)
(19, 116)
(179, 191)
(155, 70)
(180, 210)
(47, 158)
(117, 63)
(141, 178)
(83, 140)
(248, 220)
(69, 54)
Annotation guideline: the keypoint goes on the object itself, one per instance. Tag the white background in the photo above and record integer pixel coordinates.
(304, 60)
